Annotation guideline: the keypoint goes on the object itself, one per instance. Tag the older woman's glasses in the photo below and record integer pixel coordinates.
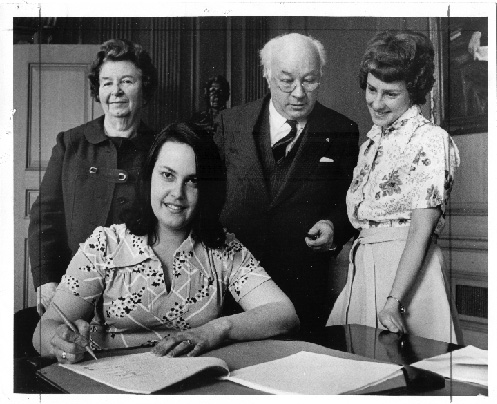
(289, 86)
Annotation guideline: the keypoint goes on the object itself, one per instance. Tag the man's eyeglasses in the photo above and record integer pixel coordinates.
(288, 86)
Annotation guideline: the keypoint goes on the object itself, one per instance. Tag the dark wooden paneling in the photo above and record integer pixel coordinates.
(256, 37)
(165, 47)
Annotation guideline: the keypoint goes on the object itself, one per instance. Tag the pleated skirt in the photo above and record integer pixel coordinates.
(373, 262)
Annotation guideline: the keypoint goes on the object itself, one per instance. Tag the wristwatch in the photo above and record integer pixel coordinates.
(402, 309)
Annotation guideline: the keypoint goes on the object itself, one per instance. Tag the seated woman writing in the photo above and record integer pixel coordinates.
(161, 277)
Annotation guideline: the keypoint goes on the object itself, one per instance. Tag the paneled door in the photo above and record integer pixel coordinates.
(51, 94)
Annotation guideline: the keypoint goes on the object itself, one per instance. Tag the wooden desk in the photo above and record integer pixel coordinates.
(380, 345)
(353, 342)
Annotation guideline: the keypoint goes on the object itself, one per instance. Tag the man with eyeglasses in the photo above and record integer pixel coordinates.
(289, 163)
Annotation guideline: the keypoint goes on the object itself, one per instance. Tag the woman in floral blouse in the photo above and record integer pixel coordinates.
(397, 198)
(161, 278)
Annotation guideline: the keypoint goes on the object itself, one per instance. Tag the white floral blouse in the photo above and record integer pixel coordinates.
(121, 276)
(409, 165)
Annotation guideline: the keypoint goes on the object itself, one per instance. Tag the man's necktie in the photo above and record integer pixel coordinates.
(279, 147)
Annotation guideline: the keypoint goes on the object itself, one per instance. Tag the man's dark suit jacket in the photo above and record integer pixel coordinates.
(274, 229)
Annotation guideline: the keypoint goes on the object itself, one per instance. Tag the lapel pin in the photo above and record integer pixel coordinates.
(328, 139)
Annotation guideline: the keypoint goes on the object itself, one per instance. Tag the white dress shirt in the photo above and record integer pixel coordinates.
(279, 128)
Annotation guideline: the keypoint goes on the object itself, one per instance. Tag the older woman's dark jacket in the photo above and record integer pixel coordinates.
(89, 181)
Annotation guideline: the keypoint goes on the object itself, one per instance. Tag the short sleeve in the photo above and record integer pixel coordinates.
(432, 169)
(85, 275)
(246, 273)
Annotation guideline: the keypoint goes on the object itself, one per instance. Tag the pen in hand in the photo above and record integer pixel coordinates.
(72, 327)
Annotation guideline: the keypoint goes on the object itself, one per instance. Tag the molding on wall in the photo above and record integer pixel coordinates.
(437, 92)
(31, 195)
(471, 279)
(26, 269)
(461, 243)
(468, 209)
(467, 261)
(467, 323)
(37, 153)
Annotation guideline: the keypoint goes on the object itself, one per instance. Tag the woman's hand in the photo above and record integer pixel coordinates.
(195, 341)
(267, 312)
(391, 317)
(68, 346)
(44, 295)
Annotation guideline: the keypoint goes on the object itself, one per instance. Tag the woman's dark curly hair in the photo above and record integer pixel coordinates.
(400, 56)
(211, 185)
(122, 50)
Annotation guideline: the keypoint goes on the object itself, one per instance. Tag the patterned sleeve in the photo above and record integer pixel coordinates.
(432, 169)
(85, 275)
(246, 273)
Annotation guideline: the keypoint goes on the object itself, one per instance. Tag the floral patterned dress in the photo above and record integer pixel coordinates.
(408, 165)
(120, 275)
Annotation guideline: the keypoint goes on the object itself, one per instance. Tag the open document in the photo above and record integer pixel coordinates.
(467, 364)
(311, 373)
(145, 373)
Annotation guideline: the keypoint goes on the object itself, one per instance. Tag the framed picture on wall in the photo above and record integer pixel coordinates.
(461, 60)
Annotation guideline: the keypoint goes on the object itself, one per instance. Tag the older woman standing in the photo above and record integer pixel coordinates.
(91, 174)
(162, 277)
(397, 198)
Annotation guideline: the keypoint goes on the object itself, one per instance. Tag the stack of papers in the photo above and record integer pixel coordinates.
(311, 373)
(468, 364)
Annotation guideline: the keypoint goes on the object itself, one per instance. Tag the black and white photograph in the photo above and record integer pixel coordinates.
(246, 198)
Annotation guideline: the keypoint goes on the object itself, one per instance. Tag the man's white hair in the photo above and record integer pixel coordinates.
(268, 50)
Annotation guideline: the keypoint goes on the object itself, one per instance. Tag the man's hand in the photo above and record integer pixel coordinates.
(320, 236)
(44, 295)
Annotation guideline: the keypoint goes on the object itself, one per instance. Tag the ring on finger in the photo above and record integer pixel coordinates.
(64, 355)
(189, 342)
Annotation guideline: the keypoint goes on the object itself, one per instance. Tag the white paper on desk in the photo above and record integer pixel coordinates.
(144, 373)
(469, 364)
(311, 373)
